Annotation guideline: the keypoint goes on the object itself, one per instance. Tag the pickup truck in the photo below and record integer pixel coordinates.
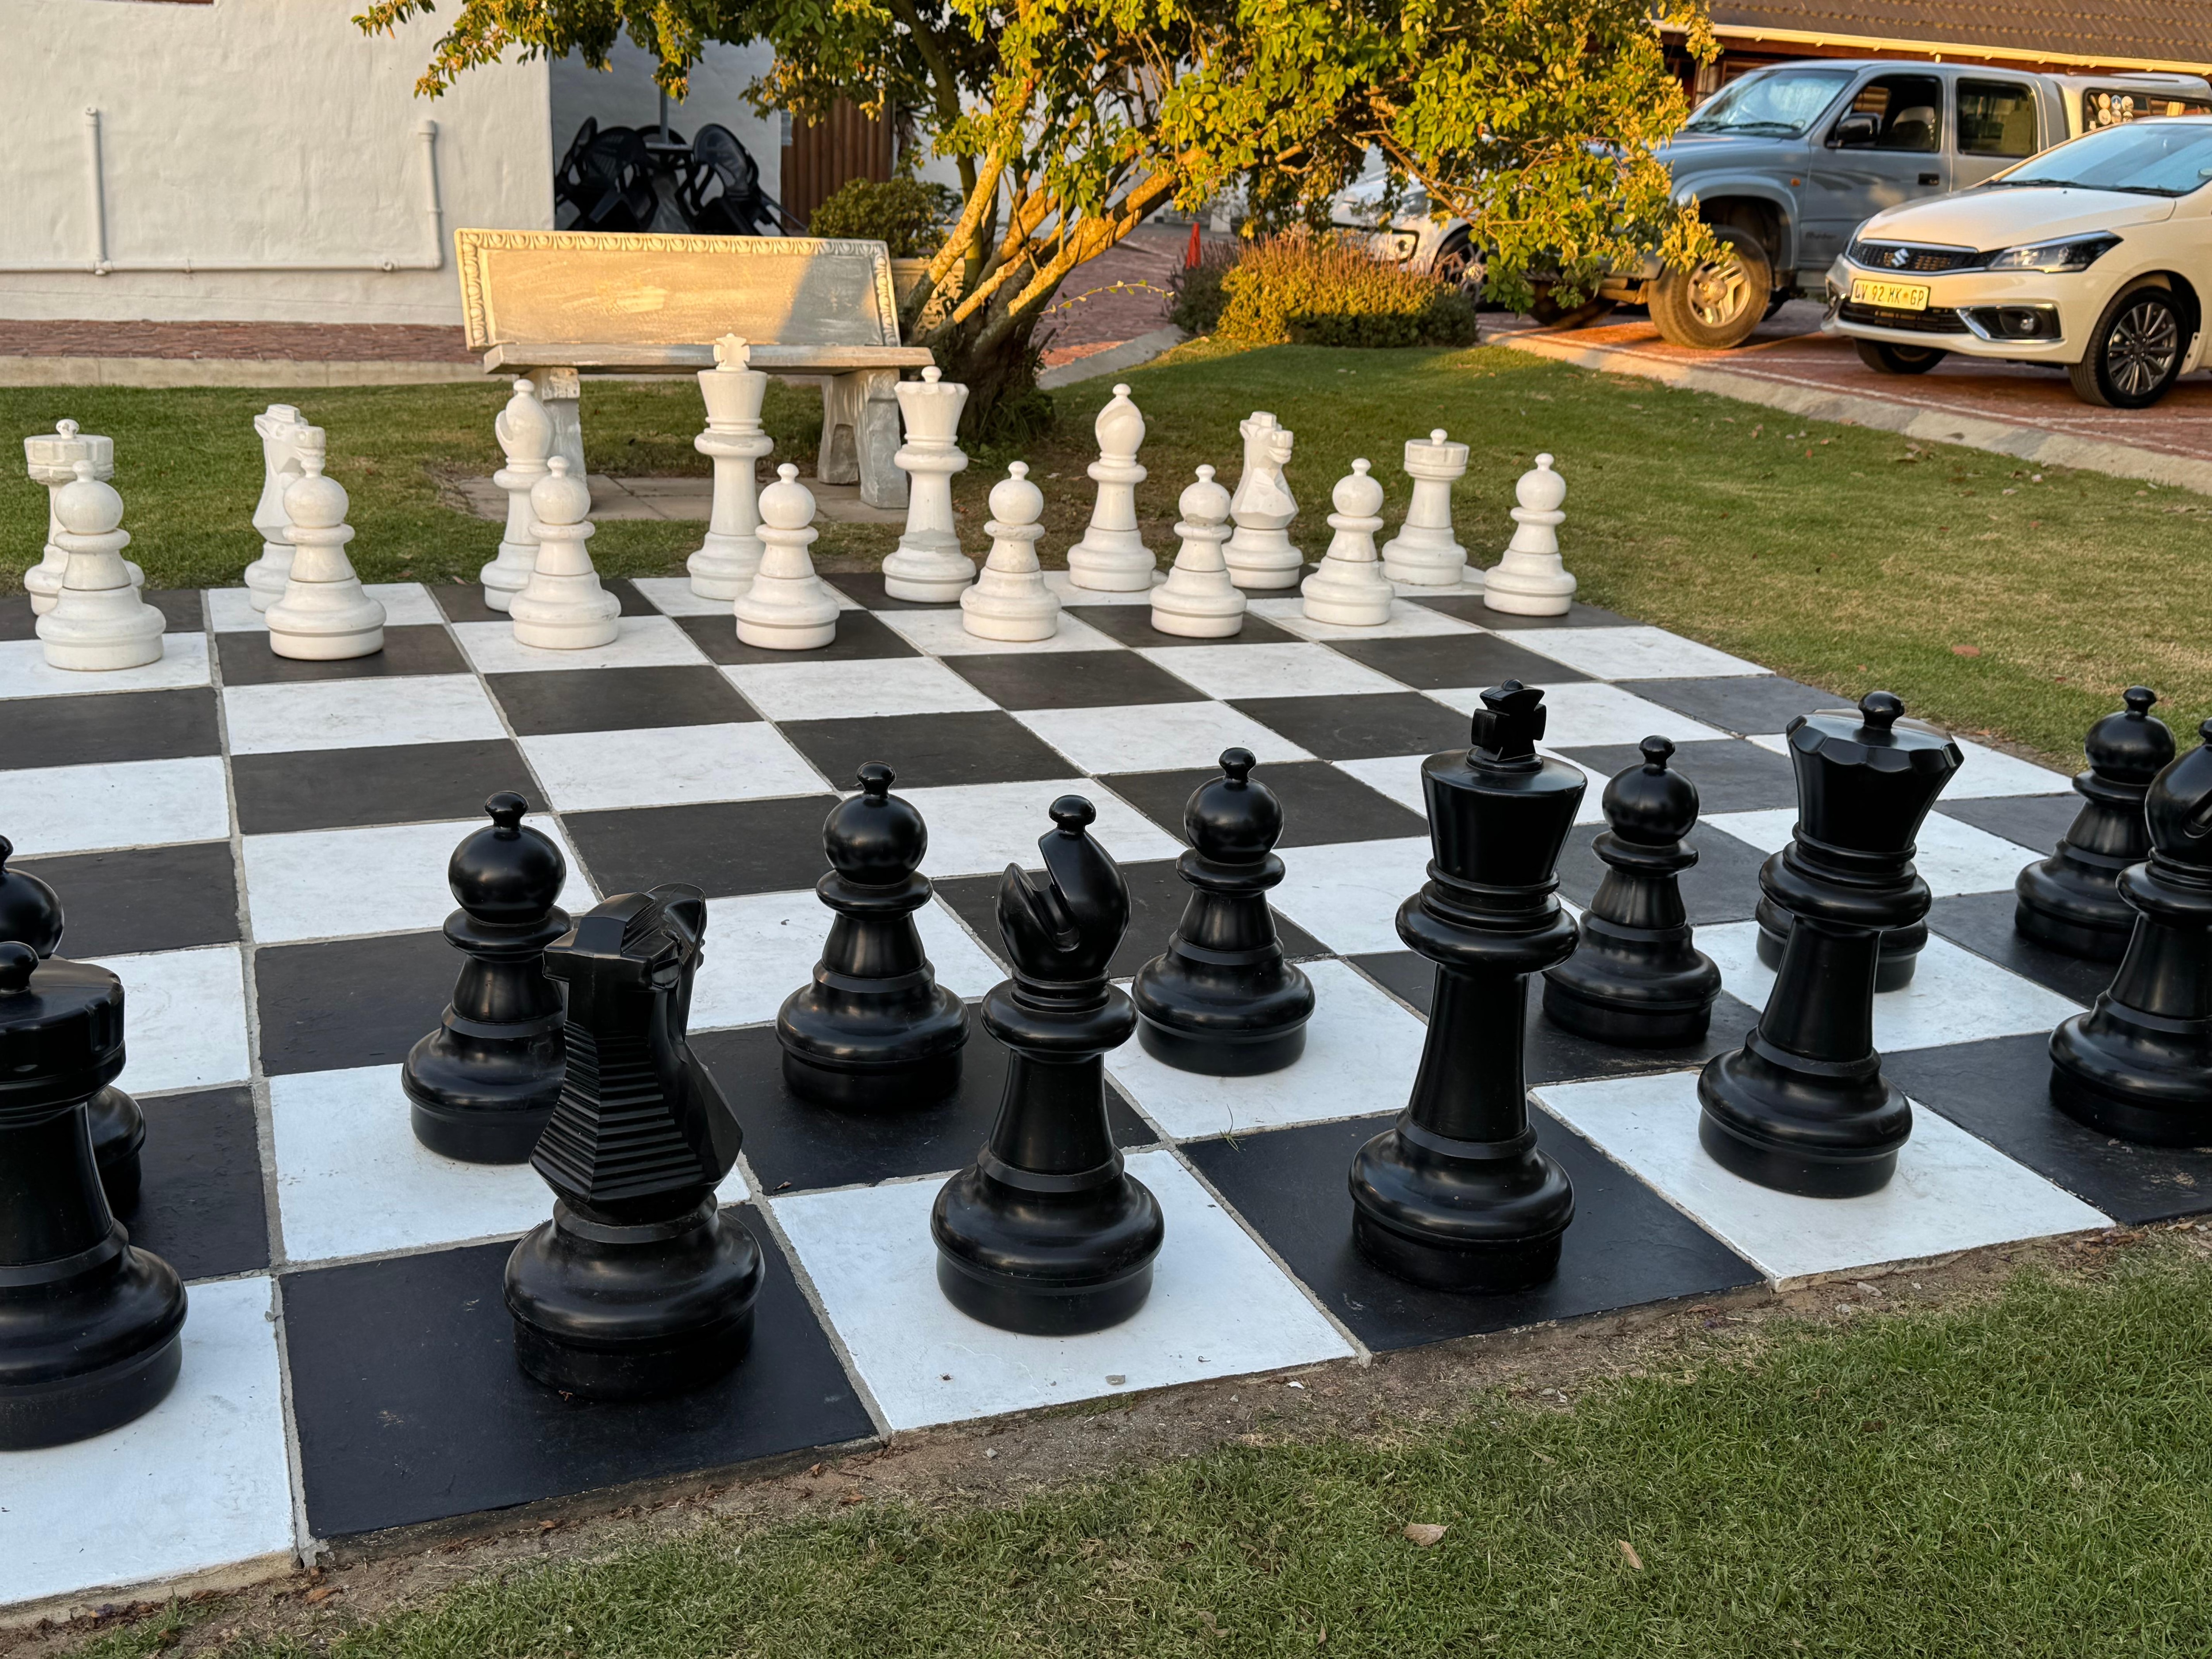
(1786, 162)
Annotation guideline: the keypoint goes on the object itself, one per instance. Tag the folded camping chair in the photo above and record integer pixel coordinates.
(719, 194)
(607, 177)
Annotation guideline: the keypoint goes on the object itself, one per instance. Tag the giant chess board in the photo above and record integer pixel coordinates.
(258, 847)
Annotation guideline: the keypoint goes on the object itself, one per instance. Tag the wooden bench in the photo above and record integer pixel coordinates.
(556, 304)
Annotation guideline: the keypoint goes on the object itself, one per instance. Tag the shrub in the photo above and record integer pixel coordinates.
(908, 215)
(1198, 295)
(1318, 291)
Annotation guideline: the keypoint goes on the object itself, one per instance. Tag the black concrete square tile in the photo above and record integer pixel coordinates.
(634, 604)
(1437, 662)
(866, 587)
(182, 608)
(328, 1006)
(2035, 822)
(930, 749)
(1132, 624)
(792, 1144)
(201, 1207)
(247, 658)
(726, 848)
(1982, 922)
(2000, 1090)
(464, 602)
(114, 726)
(1749, 703)
(1731, 775)
(1320, 805)
(860, 636)
(1723, 885)
(1356, 728)
(1627, 1245)
(1469, 607)
(1075, 679)
(410, 1406)
(557, 700)
(17, 619)
(335, 788)
(154, 898)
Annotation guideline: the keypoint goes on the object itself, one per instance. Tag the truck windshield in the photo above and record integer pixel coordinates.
(2144, 158)
(1782, 103)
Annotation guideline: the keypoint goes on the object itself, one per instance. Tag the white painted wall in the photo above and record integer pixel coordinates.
(623, 95)
(249, 132)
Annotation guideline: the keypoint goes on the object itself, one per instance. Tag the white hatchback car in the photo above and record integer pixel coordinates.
(2094, 256)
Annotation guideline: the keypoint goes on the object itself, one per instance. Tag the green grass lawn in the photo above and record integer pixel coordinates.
(1989, 601)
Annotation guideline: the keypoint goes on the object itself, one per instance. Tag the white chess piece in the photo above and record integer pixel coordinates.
(1198, 601)
(52, 458)
(563, 608)
(1350, 588)
(98, 620)
(1426, 553)
(927, 566)
(1260, 553)
(525, 438)
(1532, 580)
(723, 566)
(1010, 600)
(279, 426)
(326, 614)
(789, 607)
(1112, 557)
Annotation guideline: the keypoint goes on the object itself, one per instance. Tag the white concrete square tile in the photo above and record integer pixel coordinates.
(668, 766)
(1362, 1050)
(763, 946)
(1399, 776)
(85, 809)
(406, 604)
(942, 633)
(24, 673)
(1591, 808)
(184, 1015)
(644, 642)
(978, 828)
(202, 1480)
(1952, 857)
(1629, 653)
(1064, 585)
(1157, 737)
(1235, 671)
(1218, 1308)
(869, 687)
(1990, 772)
(671, 596)
(334, 883)
(1584, 714)
(1347, 895)
(1407, 622)
(363, 713)
(1951, 1192)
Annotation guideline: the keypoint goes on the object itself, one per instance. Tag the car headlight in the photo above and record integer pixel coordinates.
(2067, 253)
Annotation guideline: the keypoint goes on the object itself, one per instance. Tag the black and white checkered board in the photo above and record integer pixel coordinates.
(258, 848)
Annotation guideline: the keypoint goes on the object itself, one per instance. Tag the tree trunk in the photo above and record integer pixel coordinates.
(997, 359)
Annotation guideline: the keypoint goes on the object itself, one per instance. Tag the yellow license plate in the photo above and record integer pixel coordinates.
(1890, 296)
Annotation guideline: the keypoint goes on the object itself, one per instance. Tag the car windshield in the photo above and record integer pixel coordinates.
(1785, 102)
(2144, 158)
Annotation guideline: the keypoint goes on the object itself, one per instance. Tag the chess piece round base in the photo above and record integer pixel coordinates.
(1426, 567)
(119, 1131)
(919, 577)
(610, 1310)
(2148, 1081)
(719, 572)
(1111, 570)
(131, 642)
(787, 637)
(1223, 1055)
(1034, 1310)
(484, 1134)
(339, 647)
(1770, 1124)
(1042, 1255)
(265, 583)
(1454, 1215)
(1660, 1013)
(1900, 947)
(1014, 618)
(113, 1354)
(564, 631)
(1262, 573)
(2070, 911)
(498, 596)
(1185, 619)
(892, 1088)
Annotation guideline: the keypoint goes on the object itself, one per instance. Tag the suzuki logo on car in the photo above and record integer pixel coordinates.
(1899, 257)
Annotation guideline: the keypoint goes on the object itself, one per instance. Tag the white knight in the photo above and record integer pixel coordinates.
(1260, 553)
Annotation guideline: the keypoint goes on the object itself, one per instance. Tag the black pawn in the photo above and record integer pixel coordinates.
(2071, 900)
(482, 1087)
(89, 1325)
(1636, 980)
(1804, 1107)
(1046, 1233)
(2138, 1064)
(1457, 1196)
(637, 1286)
(30, 914)
(1221, 1000)
(875, 1029)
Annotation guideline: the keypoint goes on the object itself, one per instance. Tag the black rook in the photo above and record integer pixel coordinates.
(2071, 900)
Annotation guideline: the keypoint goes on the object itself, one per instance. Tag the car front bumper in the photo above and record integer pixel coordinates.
(1976, 314)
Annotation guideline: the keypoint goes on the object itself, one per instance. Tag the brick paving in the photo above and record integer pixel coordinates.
(383, 343)
(1124, 292)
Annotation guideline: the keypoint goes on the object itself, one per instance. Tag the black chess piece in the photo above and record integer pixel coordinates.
(1046, 1233)
(30, 914)
(2071, 900)
(1221, 1000)
(637, 1286)
(1636, 980)
(482, 1087)
(1895, 961)
(1456, 1194)
(1804, 1107)
(874, 1029)
(2138, 1064)
(89, 1325)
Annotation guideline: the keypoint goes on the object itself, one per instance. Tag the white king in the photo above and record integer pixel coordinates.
(723, 566)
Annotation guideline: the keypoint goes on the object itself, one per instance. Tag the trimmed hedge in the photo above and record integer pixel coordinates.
(1312, 291)
(908, 215)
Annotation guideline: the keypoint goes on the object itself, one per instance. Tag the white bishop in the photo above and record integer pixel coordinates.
(1112, 557)
(526, 437)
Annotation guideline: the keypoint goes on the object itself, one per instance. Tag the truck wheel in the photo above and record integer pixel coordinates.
(2135, 352)
(1715, 306)
(1883, 358)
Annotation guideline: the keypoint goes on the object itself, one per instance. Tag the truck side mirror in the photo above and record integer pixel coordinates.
(1857, 131)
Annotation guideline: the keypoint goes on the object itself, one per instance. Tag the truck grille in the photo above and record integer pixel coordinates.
(1882, 256)
(1918, 322)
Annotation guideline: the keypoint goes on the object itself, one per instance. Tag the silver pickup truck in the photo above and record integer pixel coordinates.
(1787, 161)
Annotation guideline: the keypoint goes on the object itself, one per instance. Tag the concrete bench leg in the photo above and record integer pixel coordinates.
(562, 392)
(860, 434)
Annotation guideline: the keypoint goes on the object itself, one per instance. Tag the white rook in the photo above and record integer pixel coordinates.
(1531, 580)
(52, 456)
(1260, 553)
(280, 426)
(97, 620)
(525, 438)
(723, 566)
(324, 614)
(564, 608)
(1350, 588)
(1426, 553)
(927, 566)
(789, 607)
(1010, 600)
(1112, 557)
(1198, 601)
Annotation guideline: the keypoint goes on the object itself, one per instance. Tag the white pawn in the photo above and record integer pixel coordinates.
(1198, 601)
(280, 428)
(52, 458)
(789, 607)
(98, 620)
(324, 615)
(563, 608)
(1112, 557)
(525, 438)
(1260, 553)
(723, 566)
(1010, 600)
(1426, 553)
(1350, 588)
(1531, 580)
(927, 566)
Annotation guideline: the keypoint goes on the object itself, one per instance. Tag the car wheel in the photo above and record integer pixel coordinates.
(2135, 352)
(1455, 262)
(1546, 309)
(1883, 358)
(1715, 306)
